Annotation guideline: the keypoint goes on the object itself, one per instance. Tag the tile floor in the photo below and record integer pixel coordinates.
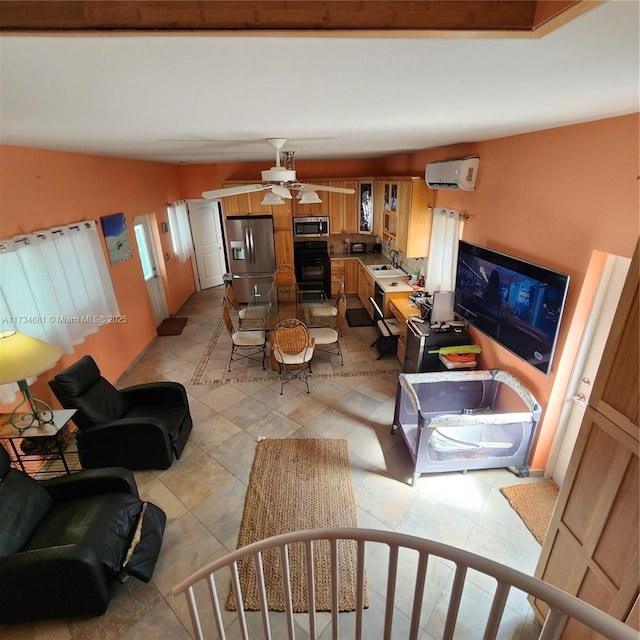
(203, 492)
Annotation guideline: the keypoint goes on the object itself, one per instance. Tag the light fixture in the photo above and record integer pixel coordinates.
(22, 357)
(272, 198)
(309, 197)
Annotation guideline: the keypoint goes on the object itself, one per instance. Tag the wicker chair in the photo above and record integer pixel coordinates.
(328, 338)
(292, 349)
(284, 280)
(244, 343)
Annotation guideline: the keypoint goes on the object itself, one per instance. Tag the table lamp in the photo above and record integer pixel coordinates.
(22, 357)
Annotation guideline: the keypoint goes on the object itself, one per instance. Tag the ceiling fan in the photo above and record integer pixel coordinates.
(279, 180)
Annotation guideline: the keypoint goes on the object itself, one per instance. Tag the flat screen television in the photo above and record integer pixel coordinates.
(517, 303)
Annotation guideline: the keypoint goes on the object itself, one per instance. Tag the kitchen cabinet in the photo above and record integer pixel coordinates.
(343, 207)
(315, 209)
(251, 204)
(283, 243)
(365, 206)
(378, 208)
(407, 211)
(337, 276)
(366, 288)
(351, 268)
(591, 549)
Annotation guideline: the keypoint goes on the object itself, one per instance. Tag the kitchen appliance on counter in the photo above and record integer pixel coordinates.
(311, 227)
(312, 265)
(358, 247)
(250, 253)
(422, 340)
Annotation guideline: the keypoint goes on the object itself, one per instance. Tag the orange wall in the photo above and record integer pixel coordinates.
(550, 197)
(41, 189)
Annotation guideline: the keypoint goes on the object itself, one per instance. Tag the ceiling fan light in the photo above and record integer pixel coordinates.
(309, 197)
(271, 199)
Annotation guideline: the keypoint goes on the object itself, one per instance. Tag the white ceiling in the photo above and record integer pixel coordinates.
(198, 99)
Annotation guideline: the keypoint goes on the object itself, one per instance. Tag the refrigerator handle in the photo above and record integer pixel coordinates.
(247, 242)
(253, 248)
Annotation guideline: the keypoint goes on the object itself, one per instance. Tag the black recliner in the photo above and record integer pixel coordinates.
(63, 540)
(139, 427)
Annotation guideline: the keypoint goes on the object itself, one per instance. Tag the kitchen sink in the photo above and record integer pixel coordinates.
(386, 271)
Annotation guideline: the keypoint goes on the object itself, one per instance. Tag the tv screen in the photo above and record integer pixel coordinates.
(517, 303)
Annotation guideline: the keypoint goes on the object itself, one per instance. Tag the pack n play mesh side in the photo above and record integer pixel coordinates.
(461, 420)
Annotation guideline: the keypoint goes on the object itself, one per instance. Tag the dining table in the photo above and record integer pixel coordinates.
(266, 309)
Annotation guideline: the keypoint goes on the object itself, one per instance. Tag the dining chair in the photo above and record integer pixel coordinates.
(233, 302)
(292, 349)
(284, 280)
(325, 314)
(328, 338)
(388, 329)
(244, 343)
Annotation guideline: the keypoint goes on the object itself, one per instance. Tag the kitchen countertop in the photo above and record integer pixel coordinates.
(385, 282)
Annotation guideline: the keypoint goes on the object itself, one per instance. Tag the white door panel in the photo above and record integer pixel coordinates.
(206, 231)
(150, 270)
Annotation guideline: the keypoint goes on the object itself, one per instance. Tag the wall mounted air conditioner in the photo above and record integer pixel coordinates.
(453, 174)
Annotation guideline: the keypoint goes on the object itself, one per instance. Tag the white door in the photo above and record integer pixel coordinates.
(150, 271)
(587, 363)
(208, 244)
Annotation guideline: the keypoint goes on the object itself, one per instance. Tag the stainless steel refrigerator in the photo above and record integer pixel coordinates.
(250, 253)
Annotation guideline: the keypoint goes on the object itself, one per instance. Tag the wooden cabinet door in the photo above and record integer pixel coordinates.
(283, 242)
(282, 218)
(316, 209)
(351, 276)
(343, 208)
(591, 547)
(378, 208)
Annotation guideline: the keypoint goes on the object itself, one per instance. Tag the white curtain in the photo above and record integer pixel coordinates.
(180, 229)
(55, 286)
(446, 230)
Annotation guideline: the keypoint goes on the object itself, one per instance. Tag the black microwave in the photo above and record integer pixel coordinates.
(312, 227)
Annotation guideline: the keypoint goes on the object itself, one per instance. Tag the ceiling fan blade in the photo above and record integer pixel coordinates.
(283, 192)
(233, 191)
(320, 187)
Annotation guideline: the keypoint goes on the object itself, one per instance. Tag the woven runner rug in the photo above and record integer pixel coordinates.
(298, 484)
(534, 503)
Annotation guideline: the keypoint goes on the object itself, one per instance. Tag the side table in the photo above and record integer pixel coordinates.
(53, 431)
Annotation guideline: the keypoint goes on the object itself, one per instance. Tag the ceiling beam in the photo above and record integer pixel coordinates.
(262, 17)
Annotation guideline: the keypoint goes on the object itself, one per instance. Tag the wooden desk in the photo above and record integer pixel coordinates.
(402, 309)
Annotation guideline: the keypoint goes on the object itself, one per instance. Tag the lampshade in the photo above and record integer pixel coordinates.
(22, 356)
(272, 198)
(309, 197)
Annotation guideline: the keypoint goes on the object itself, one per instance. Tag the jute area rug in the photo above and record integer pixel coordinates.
(298, 484)
(534, 503)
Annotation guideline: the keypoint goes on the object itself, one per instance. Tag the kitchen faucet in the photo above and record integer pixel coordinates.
(393, 256)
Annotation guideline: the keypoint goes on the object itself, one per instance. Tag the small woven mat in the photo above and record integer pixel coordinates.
(172, 326)
(299, 484)
(534, 503)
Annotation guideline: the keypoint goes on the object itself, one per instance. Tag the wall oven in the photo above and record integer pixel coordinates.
(312, 227)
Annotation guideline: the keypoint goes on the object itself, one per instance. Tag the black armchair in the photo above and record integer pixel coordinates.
(63, 540)
(140, 427)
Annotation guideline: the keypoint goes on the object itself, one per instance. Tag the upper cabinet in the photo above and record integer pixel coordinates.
(365, 206)
(406, 211)
(316, 208)
(245, 204)
(343, 207)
